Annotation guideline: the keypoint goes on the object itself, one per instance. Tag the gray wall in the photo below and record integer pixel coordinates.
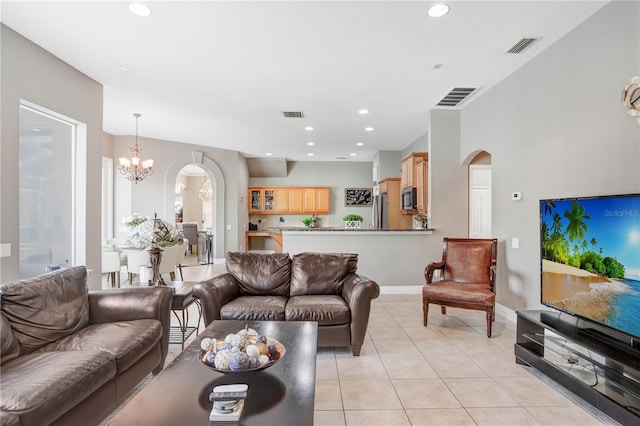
(33, 74)
(555, 128)
(337, 175)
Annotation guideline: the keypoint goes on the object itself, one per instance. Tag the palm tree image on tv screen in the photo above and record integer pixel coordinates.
(590, 249)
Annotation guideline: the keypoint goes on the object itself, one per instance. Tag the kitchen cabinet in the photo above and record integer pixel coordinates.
(415, 174)
(289, 200)
(390, 197)
(262, 200)
(422, 184)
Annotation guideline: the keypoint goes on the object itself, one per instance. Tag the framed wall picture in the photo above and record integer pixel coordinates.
(357, 197)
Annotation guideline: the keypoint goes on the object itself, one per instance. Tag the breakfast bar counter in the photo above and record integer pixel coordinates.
(394, 258)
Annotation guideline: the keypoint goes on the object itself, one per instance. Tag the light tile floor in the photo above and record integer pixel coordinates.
(448, 373)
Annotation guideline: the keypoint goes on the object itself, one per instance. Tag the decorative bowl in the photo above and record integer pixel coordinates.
(279, 347)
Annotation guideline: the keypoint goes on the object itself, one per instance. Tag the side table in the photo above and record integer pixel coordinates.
(183, 298)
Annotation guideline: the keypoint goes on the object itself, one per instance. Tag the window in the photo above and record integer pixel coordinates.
(52, 174)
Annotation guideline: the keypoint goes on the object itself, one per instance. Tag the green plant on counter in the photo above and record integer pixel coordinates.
(353, 217)
(308, 221)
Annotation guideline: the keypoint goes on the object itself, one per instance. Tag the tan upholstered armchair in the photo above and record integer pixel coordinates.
(467, 277)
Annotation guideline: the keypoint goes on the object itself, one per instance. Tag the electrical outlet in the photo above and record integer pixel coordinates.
(5, 250)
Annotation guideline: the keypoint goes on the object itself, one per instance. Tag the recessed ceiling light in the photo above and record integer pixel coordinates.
(353, 154)
(139, 9)
(123, 69)
(311, 143)
(310, 154)
(369, 129)
(363, 111)
(360, 144)
(438, 10)
(308, 128)
(268, 154)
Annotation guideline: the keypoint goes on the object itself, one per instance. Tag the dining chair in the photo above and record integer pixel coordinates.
(111, 265)
(137, 259)
(467, 277)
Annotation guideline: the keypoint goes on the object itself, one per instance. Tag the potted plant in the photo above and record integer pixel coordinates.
(352, 221)
(308, 221)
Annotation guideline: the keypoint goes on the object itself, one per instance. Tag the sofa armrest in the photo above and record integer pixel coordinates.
(358, 291)
(131, 304)
(214, 293)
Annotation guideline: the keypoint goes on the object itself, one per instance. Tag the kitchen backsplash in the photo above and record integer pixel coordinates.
(288, 221)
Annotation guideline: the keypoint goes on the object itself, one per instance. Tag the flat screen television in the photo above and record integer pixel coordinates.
(590, 268)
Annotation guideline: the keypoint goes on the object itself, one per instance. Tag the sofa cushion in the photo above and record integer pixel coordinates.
(257, 308)
(9, 346)
(324, 309)
(261, 274)
(46, 308)
(320, 273)
(126, 341)
(42, 386)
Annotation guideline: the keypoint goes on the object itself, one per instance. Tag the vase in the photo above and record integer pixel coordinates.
(352, 224)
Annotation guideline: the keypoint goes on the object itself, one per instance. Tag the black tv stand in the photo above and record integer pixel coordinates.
(601, 370)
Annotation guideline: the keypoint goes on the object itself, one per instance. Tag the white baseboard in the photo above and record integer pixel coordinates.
(501, 310)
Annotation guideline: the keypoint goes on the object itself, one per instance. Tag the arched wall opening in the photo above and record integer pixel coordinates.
(212, 170)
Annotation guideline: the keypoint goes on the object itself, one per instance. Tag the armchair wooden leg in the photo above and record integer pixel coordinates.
(172, 275)
(443, 309)
(490, 315)
(425, 311)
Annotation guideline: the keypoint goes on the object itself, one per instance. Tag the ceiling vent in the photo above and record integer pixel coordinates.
(522, 45)
(293, 114)
(456, 96)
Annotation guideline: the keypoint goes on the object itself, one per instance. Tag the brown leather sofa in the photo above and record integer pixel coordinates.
(67, 354)
(321, 287)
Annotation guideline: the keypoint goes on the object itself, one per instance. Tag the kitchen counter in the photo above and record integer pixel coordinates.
(331, 229)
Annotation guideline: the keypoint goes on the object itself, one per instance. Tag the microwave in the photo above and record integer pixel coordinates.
(409, 199)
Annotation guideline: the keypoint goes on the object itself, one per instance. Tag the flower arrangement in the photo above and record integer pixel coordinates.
(308, 221)
(134, 220)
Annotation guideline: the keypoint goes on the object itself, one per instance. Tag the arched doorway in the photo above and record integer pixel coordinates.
(195, 208)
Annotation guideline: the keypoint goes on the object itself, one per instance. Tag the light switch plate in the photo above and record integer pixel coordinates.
(5, 250)
(515, 242)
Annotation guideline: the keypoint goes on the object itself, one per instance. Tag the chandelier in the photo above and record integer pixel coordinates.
(134, 169)
(205, 193)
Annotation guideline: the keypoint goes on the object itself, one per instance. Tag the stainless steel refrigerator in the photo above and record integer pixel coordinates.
(380, 211)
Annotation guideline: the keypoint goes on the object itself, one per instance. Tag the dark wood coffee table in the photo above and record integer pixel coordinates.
(282, 394)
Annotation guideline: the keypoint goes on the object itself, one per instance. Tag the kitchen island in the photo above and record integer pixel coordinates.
(394, 258)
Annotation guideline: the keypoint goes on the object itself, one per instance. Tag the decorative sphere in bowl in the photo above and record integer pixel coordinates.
(232, 354)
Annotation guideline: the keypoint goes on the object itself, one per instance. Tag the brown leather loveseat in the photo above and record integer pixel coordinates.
(68, 354)
(321, 287)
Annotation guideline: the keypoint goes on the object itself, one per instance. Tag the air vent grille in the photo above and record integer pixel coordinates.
(522, 45)
(293, 114)
(456, 96)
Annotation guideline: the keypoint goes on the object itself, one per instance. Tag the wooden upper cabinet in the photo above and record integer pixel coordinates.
(406, 172)
(408, 178)
(282, 200)
(422, 184)
(289, 200)
(323, 197)
(295, 200)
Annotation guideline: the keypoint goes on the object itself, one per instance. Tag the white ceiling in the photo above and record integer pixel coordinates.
(221, 73)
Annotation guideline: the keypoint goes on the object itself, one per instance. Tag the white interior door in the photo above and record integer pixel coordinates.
(480, 201)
